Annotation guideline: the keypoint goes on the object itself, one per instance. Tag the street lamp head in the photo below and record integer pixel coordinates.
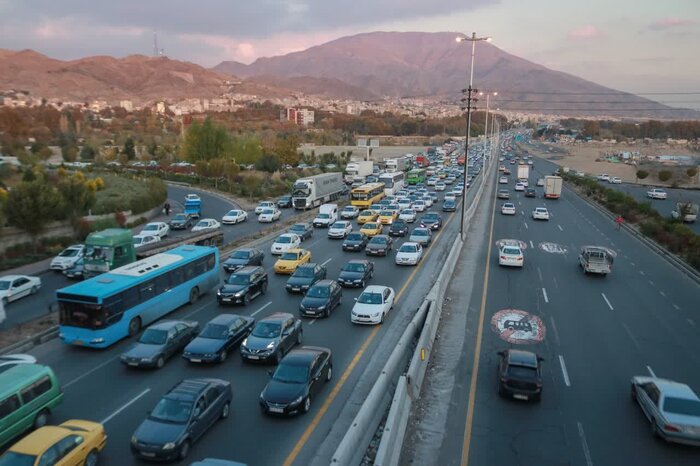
(460, 39)
(489, 39)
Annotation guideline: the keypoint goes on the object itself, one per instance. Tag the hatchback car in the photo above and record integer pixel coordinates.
(530, 192)
(67, 258)
(356, 273)
(272, 337)
(284, 243)
(339, 229)
(508, 208)
(206, 224)
(284, 202)
(421, 235)
(503, 194)
(290, 260)
(77, 271)
(304, 277)
(372, 306)
(243, 257)
(398, 228)
(321, 299)
(303, 230)
(159, 342)
(540, 213)
(269, 215)
(520, 375)
(409, 254)
(234, 216)
(159, 229)
(243, 285)
(431, 220)
(218, 338)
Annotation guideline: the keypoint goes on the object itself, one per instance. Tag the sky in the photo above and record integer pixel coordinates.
(639, 46)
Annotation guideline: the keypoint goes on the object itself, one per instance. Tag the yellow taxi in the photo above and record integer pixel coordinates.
(387, 217)
(74, 442)
(366, 216)
(290, 260)
(371, 229)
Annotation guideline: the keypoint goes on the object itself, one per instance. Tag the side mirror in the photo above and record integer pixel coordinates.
(354, 299)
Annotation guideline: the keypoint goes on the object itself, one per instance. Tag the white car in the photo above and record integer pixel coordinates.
(284, 243)
(264, 205)
(540, 213)
(510, 254)
(409, 254)
(142, 240)
(615, 180)
(603, 177)
(524, 183)
(529, 162)
(451, 195)
(657, 193)
(428, 200)
(14, 287)
(234, 216)
(67, 258)
(339, 229)
(192, 197)
(440, 186)
(206, 224)
(404, 203)
(519, 187)
(508, 208)
(373, 305)
(419, 205)
(407, 215)
(503, 180)
(159, 229)
(269, 215)
(540, 181)
(350, 211)
(431, 182)
(458, 190)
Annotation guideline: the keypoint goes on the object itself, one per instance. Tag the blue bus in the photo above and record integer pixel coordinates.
(102, 310)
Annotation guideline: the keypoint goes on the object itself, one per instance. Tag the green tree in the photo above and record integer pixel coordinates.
(246, 150)
(31, 206)
(77, 197)
(641, 174)
(268, 163)
(206, 141)
(692, 172)
(129, 149)
(286, 148)
(41, 150)
(665, 175)
(70, 153)
(87, 152)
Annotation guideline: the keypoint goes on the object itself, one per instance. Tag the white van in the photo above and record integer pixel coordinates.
(327, 215)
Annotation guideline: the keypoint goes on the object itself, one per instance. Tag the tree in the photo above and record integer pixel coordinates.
(591, 128)
(665, 175)
(70, 153)
(87, 152)
(41, 150)
(206, 141)
(641, 174)
(78, 196)
(31, 206)
(268, 163)
(692, 172)
(286, 148)
(129, 149)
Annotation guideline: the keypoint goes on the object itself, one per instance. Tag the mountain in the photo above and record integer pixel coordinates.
(418, 64)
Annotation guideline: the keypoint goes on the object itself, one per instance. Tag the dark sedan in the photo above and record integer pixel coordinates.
(218, 337)
(242, 257)
(284, 202)
(272, 337)
(303, 230)
(398, 228)
(450, 205)
(181, 417)
(356, 273)
(304, 276)
(379, 245)
(355, 241)
(181, 222)
(431, 220)
(530, 192)
(321, 299)
(298, 378)
(243, 285)
(76, 272)
(520, 375)
(159, 342)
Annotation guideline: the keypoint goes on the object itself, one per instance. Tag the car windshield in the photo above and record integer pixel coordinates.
(267, 330)
(512, 251)
(238, 279)
(522, 372)
(338, 225)
(150, 227)
(289, 256)
(420, 232)
(370, 298)
(349, 209)
(138, 240)
(365, 213)
(287, 373)
(154, 336)
(386, 213)
(378, 240)
(323, 216)
(240, 255)
(318, 292)
(214, 331)
(407, 212)
(233, 213)
(682, 406)
(304, 272)
(430, 217)
(180, 217)
(284, 240)
(267, 211)
(355, 236)
(68, 253)
(370, 226)
(173, 411)
(408, 248)
(203, 223)
(12, 458)
(354, 267)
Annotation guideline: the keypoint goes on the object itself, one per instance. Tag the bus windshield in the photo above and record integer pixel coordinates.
(99, 252)
(82, 315)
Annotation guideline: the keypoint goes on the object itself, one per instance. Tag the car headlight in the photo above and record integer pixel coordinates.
(239, 294)
(271, 345)
(134, 439)
(218, 292)
(297, 401)
(169, 446)
(320, 308)
(376, 314)
(146, 359)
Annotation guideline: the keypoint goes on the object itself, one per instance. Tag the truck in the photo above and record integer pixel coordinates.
(422, 161)
(552, 187)
(685, 212)
(523, 172)
(400, 164)
(193, 206)
(327, 215)
(316, 190)
(596, 259)
(358, 171)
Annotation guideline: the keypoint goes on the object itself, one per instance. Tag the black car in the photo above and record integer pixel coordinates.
(356, 273)
(243, 285)
(298, 378)
(159, 342)
(272, 337)
(520, 375)
(379, 245)
(242, 257)
(284, 202)
(398, 228)
(530, 192)
(181, 417)
(355, 241)
(218, 338)
(76, 272)
(431, 220)
(181, 222)
(304, 276)
(450, 205)
(321, 299)
(303, 230)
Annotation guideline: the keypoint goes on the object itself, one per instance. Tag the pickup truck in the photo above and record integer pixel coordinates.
(596, 259)
(657, 193)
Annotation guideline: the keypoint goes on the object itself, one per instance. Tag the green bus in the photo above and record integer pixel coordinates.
(415, 176)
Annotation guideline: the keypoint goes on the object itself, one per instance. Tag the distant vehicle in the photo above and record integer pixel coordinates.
(327, 215)
(450, 205)
(519, 187)
(269, 215)
(340, 229)
(409, 254)
(657, 193)
(408, 215)
(67, 258)
(398, 228)
(318, 189)
(284, 202)
(284, 243)
(290, 260)
(14, 287)
(193, 206)
(145, 240)
(243, 285)
(508, 208)
(530, 192)
(159, 229)
(355, 241)
(372, 229)
(218, 338)
(604, 177)
(687, 210)
(181, 222)
(510, 254)
(303, 230)
(234, 216)
(552, 187)
(349, 212)
(356, 273)
(358, 170)
(520, 375)
(615, 180)
(540, 213)
(596, 259)
(304, 277)
(379, 245)
(421, 235)
(159, 342)
(206, 224)
(262, 205)
(540, 181)
(431, 220)
(272, 337)
(372, 306)
(321, 299)
(243, 257)
(77, 271)
(366, 216)
(503, 194)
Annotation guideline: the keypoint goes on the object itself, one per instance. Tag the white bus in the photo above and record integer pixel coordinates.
(393, 182)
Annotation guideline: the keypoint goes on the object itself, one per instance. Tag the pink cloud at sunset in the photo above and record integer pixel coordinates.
(585, 32)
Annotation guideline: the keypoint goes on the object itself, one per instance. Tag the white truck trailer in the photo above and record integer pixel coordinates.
(316, 190)
(552, 187)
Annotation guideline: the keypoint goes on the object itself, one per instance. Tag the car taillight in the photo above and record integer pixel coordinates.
(671, 428)
(503, 257)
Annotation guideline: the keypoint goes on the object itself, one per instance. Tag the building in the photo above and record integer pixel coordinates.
(160, 107)
(299, 116)
(127, 105)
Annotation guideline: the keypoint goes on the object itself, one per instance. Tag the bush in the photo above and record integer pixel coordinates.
(641, 174)
(665, 175)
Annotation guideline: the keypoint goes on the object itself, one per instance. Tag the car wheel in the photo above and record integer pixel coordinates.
(134, 326)
(226, 410)
(222, 356)
(34, 290)
(184, 449)
(307, 404)
(91, 459)
(194, 295)
(381, 321)
(246, 299)
(329, 374)
(160, 362)
(300, 337)
(41, 419)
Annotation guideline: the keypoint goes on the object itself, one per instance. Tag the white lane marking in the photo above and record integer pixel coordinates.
(584, 445)
(327, 261)
(650, 282)
(81, 377)
(641, 272)
(312, 321)
(691, 322)
(263, 307)
(634, 340)
(554, 329)
(526, 227)
(560, 228)
(651, 372)
(675, 306)
(129, 403)
(187, 316)
(631, 263)
(544, 293)
(662, 293)
(539, 272)
(563, 371)
(522, 212)
(607, 302)
(532, 246)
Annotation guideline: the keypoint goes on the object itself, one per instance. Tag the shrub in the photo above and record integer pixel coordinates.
(665, 175)
(120, 218)
(641, 174)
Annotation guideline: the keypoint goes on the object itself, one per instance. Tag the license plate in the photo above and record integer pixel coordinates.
(133, 364)
(195, 360)
(226, 300)
(253, 357)
(79, 342)
(276, 410)
(296, 288)
(518, 396)
(148, 454)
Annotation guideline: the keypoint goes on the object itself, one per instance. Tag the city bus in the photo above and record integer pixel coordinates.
(393, 182)
(102, 310)
(367, 194)
(415, 176)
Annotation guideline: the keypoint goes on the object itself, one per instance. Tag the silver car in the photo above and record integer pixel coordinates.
(672, 408)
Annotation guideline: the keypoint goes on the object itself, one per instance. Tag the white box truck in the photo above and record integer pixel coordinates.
(358, 171)
(327, 215)
(315, 190)
(552, 187)
(523, 172)
(400, 164)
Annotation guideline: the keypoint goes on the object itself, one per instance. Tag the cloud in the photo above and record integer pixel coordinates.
(669, 23)
(586, 32)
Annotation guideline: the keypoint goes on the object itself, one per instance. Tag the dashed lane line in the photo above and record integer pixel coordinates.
(123, 407)
(564, 372)
(607, 302)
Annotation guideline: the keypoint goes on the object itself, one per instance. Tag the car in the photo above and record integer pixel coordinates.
(218, 338)
(339, 229)
(506, 172)
(321, 299)
(387, 217)
(503, 180)
(73, 442)
(615, 180)
(404, 204)
(144, 240)
(8, 361)
(376, 208)
(193, 197)
(508, 208)
(520, 375)
(355, 241)
(419, 205)
(303, 230)
(379, 245)
(269, 215)
(449, 197)
(510, 254)
(421, 235)
(159, 342)
(234, 216)
(603, 177)
(77, 271)
(530, 192)
(67, 258)
(181, 417)
(263, 205)
(159, 229)
(356, 273)
(272, 337)
(290, 260)
(431, 220)
(398, 228)
(284, 202)
(372, 229)
(206, 224)
(181, 221)
(14, 287)
(408, 215)
(503, 194)
(524, 182)
(409, 254)
(657, 193)
(372, 306)
(349, 212)
(431, 181)
(458, 190)
(243, 285)
(540, 213)
(449, 205)
(366, 216)
(243, 257)
(519, 187)
(672, 408)
(297, 378)
(540, 182)
(284, 243)
(440, 186)
(305, 276)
